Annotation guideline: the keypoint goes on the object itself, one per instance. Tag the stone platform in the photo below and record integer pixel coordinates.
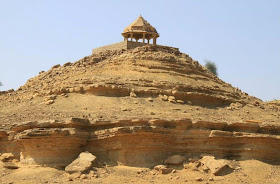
(125, 45)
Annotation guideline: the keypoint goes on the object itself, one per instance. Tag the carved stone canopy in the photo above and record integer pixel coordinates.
(140, 29)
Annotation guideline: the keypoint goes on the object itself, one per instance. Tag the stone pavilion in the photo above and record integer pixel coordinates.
(140, 29)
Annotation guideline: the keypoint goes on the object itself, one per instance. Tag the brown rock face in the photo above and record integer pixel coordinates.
(137, 142)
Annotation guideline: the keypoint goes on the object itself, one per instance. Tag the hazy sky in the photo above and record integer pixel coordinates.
(241, 36)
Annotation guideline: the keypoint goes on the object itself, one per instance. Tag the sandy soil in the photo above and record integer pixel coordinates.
(250, 171)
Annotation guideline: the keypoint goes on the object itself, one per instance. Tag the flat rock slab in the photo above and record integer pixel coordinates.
(84, 162)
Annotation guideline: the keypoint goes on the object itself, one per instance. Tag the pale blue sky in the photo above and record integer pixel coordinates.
(241, 36)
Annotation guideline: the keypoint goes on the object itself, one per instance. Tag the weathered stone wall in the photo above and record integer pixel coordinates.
(125, 45)
(132, 45)
(115, 46)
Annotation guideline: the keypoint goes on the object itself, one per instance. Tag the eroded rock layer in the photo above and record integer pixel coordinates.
(138, 142)
(145, 71)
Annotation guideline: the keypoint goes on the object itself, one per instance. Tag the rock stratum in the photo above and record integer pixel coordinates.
(138, 142)
(135, 108)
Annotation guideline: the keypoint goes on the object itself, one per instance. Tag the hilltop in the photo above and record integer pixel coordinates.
(135, 107)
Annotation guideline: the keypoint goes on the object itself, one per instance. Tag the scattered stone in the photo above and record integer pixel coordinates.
(166, 170)
(67, 64)
(83, 176)
(210, 179)
(84, 162)
(6, 156)
(175, 160)
(91, 173)
(150, 99)
(74, 176)
(158, 167)
(124, 109)
(180, 101)
(56, 66)
(64, 95)
(132, 94)
(49, 102)
(189, 102)
(229, 108)
(172, 99)
(236, 105)
(191, 166)
(163, 97)
(198, 179)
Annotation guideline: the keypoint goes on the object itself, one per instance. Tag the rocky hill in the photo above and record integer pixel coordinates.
(135, 108)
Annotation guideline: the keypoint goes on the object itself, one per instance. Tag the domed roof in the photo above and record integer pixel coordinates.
(140, 25)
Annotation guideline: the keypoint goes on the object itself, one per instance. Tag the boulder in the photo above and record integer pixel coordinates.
(11, 165)
(159, 167)
(6, 156)
(166, 170)
(84, 162)
(216, 167)
(175, 160)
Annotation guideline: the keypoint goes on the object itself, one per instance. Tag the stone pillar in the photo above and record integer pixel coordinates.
(148, 41)
(137, 40)
(154, 40)
(131, 34)
(144, 37)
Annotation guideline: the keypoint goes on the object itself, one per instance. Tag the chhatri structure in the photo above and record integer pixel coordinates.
(140, 29)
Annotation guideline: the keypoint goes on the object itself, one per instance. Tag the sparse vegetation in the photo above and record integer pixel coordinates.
(211, 66)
